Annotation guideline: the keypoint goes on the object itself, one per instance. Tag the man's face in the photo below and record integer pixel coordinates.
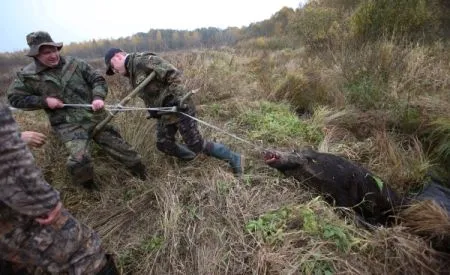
(49, 56)
(118, 64)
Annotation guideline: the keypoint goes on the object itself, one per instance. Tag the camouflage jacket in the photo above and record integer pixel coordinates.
(167, 82)
(23, 190)
(73, 81)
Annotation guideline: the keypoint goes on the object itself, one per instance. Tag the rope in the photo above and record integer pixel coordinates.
(124, 108)
(259, 148)
(165, 110)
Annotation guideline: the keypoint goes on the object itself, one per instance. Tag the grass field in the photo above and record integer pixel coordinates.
(196, 218)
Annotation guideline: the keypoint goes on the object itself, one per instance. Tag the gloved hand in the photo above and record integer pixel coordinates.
(176, 102)
(153, 114)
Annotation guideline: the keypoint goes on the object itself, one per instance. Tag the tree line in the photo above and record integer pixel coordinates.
(315, 24)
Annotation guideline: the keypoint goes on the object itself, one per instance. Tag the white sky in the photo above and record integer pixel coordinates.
(80, 20)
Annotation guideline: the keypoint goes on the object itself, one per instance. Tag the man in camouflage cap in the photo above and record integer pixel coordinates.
(35, 229)
(166, 90)
(52, 81)
(38, 39)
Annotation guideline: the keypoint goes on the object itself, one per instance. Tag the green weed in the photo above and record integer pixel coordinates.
(275, 123)
(317, 266)
(270, 226)
(338, 235)
(152, 244)
(366, 93)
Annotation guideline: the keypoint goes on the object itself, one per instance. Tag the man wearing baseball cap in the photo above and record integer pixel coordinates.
(166, 90)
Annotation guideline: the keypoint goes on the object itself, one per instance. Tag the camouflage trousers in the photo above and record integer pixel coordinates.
(79, 162)
(66, 246)
(188, 128)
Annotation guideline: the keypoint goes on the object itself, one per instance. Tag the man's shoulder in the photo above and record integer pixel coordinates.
(69, 59)
(28, 69)
(144, 54)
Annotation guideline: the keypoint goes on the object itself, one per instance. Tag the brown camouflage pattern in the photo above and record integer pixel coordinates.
(167, 82)
(64, 246)
(79, 162)
(74, 81)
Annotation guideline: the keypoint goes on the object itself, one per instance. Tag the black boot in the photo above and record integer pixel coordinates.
(220, 151)
(109, 268)
(139, 170)
(82, 173)
(90, 185)
(182, 152)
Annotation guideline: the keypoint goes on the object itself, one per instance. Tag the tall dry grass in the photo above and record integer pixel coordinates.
(196, 218)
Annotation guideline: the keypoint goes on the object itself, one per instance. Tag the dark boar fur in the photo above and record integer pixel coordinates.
(339, 180)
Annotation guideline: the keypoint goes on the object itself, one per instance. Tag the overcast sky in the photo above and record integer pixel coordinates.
(80, 20)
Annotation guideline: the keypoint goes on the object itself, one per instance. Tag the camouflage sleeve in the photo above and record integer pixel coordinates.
(164, 70)
(94, 79)
(21, 183)
(20, 96)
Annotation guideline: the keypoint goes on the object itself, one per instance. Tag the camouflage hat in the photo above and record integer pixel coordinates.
(37, 39)
(108, 56)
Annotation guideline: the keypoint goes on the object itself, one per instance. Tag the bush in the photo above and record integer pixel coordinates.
(366, 93)
(411, 18)
(314, 26)
(303, 92)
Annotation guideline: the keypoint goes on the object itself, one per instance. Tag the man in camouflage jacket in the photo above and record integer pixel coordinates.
(53, 80)
(166, 90)
(35, 229)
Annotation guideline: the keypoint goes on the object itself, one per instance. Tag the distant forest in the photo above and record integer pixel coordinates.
(160, 40)
(315, 24)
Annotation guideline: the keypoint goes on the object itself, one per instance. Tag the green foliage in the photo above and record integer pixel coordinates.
(223, 187)
(376, 18)
(317, 266)
(272, 227)
(275, 122)
(269, 226)
(127, 259)
(366, 93)
(379, 182)
(214, 109)
(338, 4)
(314, 25)
(152, 244)
(310, 224)
(338, 235)
(266, 43)
(408, 118)
(275, 26)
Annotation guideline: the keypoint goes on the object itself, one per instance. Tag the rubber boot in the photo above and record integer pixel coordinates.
(109, 268)
(182, 152)
(139, 171)
(222, 152)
